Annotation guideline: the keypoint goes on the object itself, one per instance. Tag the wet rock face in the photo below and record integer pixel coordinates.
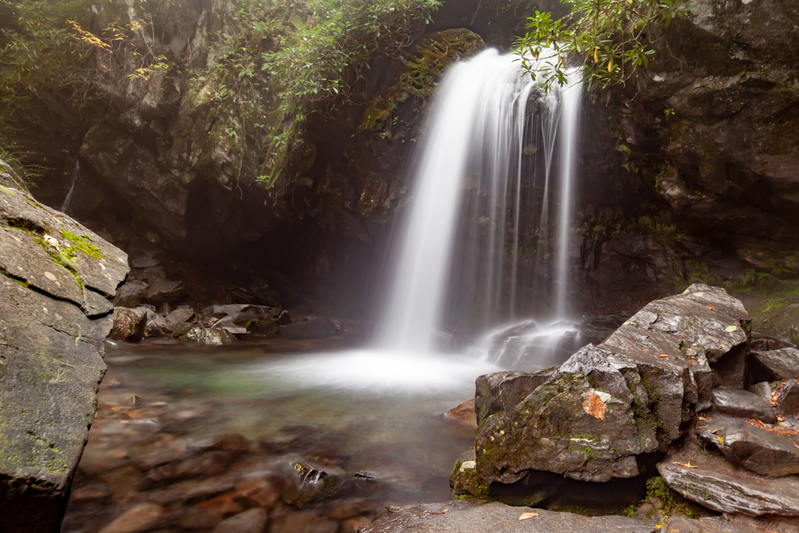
(591, 417)
(723, 487)
(56, 277)
(752, 447)
(727, 74)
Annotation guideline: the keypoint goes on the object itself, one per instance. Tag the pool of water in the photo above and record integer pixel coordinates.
(181, 430)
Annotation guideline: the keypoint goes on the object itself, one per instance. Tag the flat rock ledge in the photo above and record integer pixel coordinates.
(726, 488)
(477, 517)
(56, 279)
(633, 394)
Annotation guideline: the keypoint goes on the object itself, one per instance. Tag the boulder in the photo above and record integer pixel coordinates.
(156, 325)
(56, 279)
(725, 488)
(178, 316)
(768, 453)
(206, 336)
(129, 324)
(263, 327)
(774, 365)
(590, 418)
(162, 291)
(143, 517)
(744, 404)
(130, 294)
(475, 517)
(315, 328)
(788, 402)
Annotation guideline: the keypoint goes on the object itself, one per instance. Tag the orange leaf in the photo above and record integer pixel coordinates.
(686, 465)
(663, 355)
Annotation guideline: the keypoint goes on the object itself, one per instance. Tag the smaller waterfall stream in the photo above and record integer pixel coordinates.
(70, 197)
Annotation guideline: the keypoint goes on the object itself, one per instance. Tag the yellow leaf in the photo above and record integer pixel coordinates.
(730, 329)
(610, 66)
(721, 439)
(527, 516)
(596, 55)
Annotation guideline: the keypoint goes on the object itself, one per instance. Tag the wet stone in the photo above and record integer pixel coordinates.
(774, 365)
(208, 464)
(193, 518)
(767, 453)
(305, 521)
(232, 442)
(743, 404)
(250, 521)
(762, 389)
(160, 457)
(129, 324)
(725, 488)
(788, 403)
(141, 518)
(176, 317)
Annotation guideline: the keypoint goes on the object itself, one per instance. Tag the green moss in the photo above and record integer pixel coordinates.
(668, 501)
(79, 244)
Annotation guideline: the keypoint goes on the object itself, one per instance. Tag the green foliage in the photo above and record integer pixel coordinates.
(272, 65)
(289, 59)
(611, 38)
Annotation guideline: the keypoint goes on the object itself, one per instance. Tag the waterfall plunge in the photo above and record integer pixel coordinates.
(475, 138)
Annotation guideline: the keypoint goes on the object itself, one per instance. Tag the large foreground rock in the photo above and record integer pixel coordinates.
(726, 488)
(473, 517)
(56, 277)
(590, 418)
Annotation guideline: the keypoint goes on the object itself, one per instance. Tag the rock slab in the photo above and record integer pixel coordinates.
(474, 517)
(56, 279)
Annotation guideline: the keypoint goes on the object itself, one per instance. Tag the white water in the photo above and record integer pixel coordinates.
(474, 147)
(475, 141)
(71, 194)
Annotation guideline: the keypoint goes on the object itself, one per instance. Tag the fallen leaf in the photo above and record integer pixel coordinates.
(710, 307)
(721, 439)
(730, 329)
(527, 516)
(780, 418)
(686, 465)
(663, 355)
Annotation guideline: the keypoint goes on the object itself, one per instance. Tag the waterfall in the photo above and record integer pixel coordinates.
(71, 194)
(480, 182)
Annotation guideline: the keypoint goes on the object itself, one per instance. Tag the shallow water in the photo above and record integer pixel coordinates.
(351, 412)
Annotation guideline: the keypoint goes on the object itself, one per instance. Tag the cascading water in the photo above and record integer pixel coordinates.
(477, 188)
(68, 200)
(483, 192)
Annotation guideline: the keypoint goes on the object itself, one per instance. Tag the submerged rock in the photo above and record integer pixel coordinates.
(472, 517)
(56, 278)
(590, 418)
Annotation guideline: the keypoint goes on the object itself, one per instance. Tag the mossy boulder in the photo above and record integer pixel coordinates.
(593, 416)
(56, 278)
(129, 324)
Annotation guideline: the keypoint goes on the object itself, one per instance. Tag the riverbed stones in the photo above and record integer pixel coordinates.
(769, 453)
(723, 487)
(476, 517)
(206, 336)
(129, 324)
(590, 418)
(250, 521)
(744, 404)
(52, 270)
